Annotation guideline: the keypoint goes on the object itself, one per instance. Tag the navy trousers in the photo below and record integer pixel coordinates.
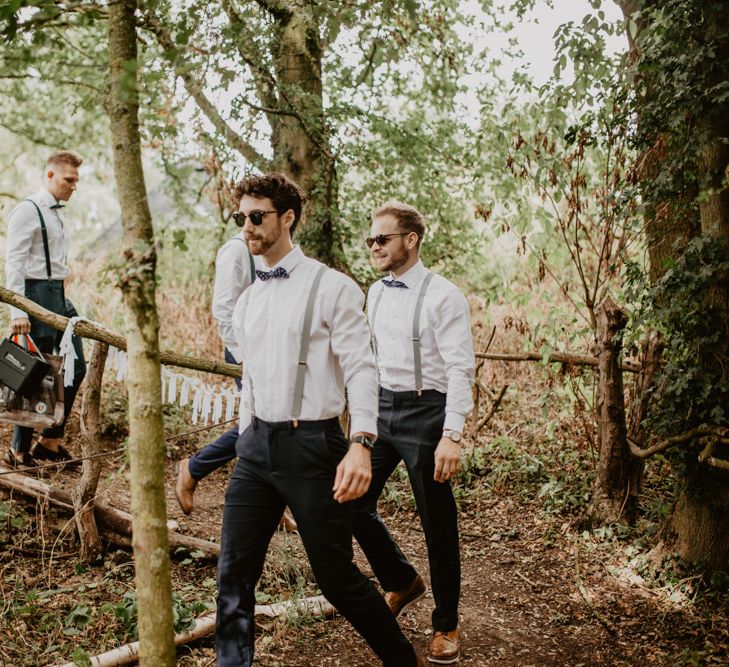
(278, 466)
(409, 428)
(217, 453)
(50, 295)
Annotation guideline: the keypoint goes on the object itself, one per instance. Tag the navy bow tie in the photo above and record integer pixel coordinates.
(55, 206)
(394, 283)
(278, 272)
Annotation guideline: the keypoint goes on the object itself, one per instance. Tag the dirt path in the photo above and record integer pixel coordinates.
(535, 591)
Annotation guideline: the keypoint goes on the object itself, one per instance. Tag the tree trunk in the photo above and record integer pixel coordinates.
(611, 493)
(137, 282)
(300, 141)
(84, 493)
(643, 386)
(698, 528)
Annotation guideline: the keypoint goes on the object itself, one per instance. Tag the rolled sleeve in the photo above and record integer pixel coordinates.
(350, 342)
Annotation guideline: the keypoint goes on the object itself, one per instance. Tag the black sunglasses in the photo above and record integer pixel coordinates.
(256, 217)
(382, 239)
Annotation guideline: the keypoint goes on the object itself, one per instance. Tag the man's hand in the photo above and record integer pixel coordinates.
(20, 325)
(447, 459)
(354, 474)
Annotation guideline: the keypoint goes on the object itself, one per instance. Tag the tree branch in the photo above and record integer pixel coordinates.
(95, 332)
(264, 80)
(555, 357)
(195, 88)
(702, 430)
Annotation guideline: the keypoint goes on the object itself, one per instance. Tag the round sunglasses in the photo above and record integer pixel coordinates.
(256, 217)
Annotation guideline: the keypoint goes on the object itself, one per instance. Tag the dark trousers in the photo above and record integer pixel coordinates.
(409, 428)
(50, 295)
(278, 466)
(217, 453)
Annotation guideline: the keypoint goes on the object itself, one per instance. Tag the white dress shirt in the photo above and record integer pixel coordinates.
(446, 345)
(24, 254)
(232, 278)
(268, 322)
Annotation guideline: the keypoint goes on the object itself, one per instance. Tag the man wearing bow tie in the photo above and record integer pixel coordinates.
(421, 332)
(36, 265)
(303, 339)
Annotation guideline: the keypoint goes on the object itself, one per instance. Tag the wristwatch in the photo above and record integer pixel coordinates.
(363, 440)
(453, 435)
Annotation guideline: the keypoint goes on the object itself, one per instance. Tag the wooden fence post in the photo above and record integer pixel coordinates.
(611, 490)
(85, 492)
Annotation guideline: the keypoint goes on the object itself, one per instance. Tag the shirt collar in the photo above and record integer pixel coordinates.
(412, 276)
(44, 197)
(291, 260)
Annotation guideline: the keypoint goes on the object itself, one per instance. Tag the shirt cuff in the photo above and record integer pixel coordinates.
(363, 424)
(454, 422)
(15, 313)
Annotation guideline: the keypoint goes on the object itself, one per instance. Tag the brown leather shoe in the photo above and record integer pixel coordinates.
(287, 523)
(445, 647)
(185, 487)
(399, 601)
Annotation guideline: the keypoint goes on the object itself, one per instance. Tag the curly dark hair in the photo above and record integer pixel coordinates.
(282, 191)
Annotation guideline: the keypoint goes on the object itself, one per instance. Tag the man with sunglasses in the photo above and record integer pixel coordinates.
(421, 332)
(303, 339)
(235, 271)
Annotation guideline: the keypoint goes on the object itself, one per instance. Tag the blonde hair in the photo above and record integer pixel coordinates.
(409, 219)
(64, 157)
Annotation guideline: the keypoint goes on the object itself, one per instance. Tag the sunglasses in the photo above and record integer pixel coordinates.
(256, 217)
(382, 239)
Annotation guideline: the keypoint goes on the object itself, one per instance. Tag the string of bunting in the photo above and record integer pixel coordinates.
(208, 403)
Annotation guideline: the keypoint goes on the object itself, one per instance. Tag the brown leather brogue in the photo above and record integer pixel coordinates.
(185, 487)
(287, 523)
(445, 647)
(399, 601)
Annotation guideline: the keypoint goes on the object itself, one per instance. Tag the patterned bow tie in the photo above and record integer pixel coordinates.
(394, 283)
(55, 206)
(278, 272)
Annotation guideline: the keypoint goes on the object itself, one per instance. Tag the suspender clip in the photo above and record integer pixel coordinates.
(295, 423)
(418, 392)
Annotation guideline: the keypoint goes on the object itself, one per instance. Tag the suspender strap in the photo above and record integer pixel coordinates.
(250, 260)
(253, 266)
(416, 333)
(372, 331)
(44, 234)
(304, 348)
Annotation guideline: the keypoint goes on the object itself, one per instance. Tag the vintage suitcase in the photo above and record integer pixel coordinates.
(44, 409)
(21, 369)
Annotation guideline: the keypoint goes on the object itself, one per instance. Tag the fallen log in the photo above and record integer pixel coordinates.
(113, 522)
(205, 625)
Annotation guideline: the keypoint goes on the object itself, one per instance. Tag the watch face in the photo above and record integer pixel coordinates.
(453, 435)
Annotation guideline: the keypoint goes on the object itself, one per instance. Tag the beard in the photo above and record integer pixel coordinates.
(260, 244)
(395, 260)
